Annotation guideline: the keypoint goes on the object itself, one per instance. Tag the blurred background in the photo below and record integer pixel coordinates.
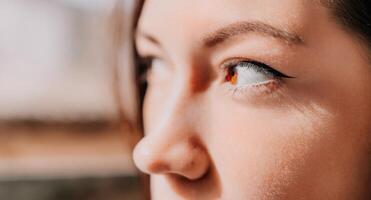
(64, 86)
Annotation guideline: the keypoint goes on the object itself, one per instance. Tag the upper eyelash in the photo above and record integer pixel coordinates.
(144, 64)
(264, 67)
(145, 61)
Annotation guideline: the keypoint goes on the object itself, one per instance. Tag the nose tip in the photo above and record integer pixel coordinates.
(188, 159)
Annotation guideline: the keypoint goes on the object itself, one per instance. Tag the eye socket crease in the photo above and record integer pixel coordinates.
(141, 34)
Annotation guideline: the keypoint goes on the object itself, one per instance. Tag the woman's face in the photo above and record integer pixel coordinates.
(252, 99)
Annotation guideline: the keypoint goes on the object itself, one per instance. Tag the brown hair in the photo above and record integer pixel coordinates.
(354, 15)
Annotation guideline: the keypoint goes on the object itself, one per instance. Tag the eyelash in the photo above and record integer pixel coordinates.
(144, 64)
(275, 78)
(258, 67)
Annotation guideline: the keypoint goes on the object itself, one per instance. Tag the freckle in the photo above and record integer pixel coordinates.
(157, 167)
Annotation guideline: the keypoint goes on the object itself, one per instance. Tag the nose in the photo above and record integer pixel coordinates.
(172, 151)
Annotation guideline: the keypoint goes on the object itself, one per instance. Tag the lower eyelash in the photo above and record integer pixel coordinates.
(257, 90)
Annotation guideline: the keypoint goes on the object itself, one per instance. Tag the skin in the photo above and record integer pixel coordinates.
(306, 137)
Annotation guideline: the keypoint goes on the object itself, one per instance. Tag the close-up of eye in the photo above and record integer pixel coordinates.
(251, 73)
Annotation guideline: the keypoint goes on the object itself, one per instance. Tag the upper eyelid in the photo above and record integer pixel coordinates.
(142, 47)
(154, 51)
(142, 35)
(142, 38)
(228, 63)
(145, 55)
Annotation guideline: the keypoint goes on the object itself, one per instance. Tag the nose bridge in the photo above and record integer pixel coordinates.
(172, 131)
(177, 113)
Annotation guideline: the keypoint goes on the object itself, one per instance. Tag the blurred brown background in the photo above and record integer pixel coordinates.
(64, 84)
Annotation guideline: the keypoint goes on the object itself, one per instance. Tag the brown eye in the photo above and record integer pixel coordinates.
(231, 76)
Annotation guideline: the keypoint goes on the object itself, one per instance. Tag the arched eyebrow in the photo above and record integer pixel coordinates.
(241, 28)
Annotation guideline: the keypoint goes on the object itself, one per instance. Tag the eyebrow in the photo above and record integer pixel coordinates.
(240, 28)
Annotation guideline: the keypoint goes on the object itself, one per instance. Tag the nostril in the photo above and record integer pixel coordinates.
(208, 185)
(198, 166)
(158, 167)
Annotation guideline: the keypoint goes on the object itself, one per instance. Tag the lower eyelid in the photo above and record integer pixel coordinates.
(270, 84)
(266, 86)
(245, 92)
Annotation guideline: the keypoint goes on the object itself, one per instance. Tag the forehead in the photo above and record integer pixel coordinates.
(194, 17)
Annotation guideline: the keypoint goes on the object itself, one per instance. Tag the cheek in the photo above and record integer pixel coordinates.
(259, 150)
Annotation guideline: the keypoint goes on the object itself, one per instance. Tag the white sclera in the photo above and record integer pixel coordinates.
(248, 75)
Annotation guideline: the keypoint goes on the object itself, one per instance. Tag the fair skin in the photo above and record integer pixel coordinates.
(219, 126)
